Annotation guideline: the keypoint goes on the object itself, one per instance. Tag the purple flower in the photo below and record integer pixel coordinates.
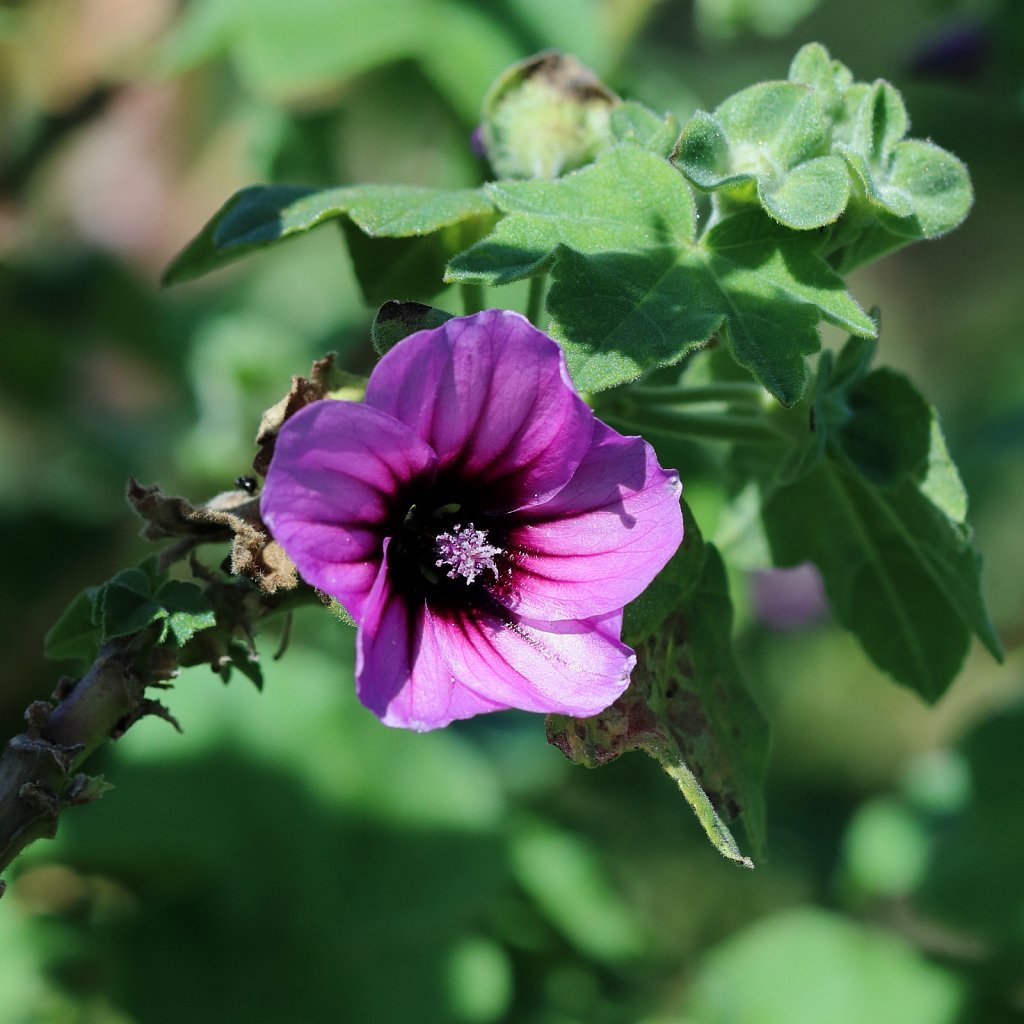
(477, 522)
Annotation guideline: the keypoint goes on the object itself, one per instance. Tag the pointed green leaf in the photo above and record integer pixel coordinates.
(262, 215)
(883, 519)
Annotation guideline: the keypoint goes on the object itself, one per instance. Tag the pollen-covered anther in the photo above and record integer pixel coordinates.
(466, 550)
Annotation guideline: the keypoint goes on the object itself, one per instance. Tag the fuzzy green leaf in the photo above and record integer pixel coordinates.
(932, 182)
(634, 288)
(812, 66)
(135, 599)
(914, 188)
(627, 199)
(905, 189)
(774, 135)
(619, 314)
(633, 122)
(185, 608)
(264, 214)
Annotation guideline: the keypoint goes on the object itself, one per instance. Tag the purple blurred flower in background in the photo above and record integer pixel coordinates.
(786, 599)
(478, 523)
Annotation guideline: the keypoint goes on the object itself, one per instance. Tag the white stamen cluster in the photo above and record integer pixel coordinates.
(466, 550)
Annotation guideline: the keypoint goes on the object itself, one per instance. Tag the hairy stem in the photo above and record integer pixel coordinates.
(37, 767)
(535, 300)
(747, 393)
(712, 426)
(472, 298)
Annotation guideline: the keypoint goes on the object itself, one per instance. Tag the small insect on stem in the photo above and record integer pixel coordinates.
(247, 484)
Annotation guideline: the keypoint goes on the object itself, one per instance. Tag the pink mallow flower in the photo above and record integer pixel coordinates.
(480, 525)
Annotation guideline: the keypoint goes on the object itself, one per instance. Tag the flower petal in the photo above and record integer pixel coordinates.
(491, 395)
(419, 669)
(599, 541)
(332, 489)
(577, 667)
(401, 675)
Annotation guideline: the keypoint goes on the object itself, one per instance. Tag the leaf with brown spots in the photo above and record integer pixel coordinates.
(687, 705)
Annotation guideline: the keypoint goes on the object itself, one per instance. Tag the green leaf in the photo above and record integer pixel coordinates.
(634, 289)
(932, 182)
(873, 121)
(186, 609)
(137, 598)
(905, 189)
(633, 122)
(914, 189)
(627, 199)
(900, 570)
(829, 78)
(264, 214)
(620, 314)
(75, 635)
(410, 267)
(687, 705)
(774, 135)
(125, 605)
(395, 321)
(887, 429)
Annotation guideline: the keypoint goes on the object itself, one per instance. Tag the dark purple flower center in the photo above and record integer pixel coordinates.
(449, 552)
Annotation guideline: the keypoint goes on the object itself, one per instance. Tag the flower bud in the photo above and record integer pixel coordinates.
(544, 116)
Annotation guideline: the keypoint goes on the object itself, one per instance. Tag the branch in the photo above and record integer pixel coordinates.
(38, 767)
(39, 774)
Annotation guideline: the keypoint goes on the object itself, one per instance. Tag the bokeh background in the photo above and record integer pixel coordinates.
(288, 858)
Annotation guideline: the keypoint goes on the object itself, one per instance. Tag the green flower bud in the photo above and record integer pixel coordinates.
(544, 116)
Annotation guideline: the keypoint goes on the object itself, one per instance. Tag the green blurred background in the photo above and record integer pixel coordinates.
(290, 859)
